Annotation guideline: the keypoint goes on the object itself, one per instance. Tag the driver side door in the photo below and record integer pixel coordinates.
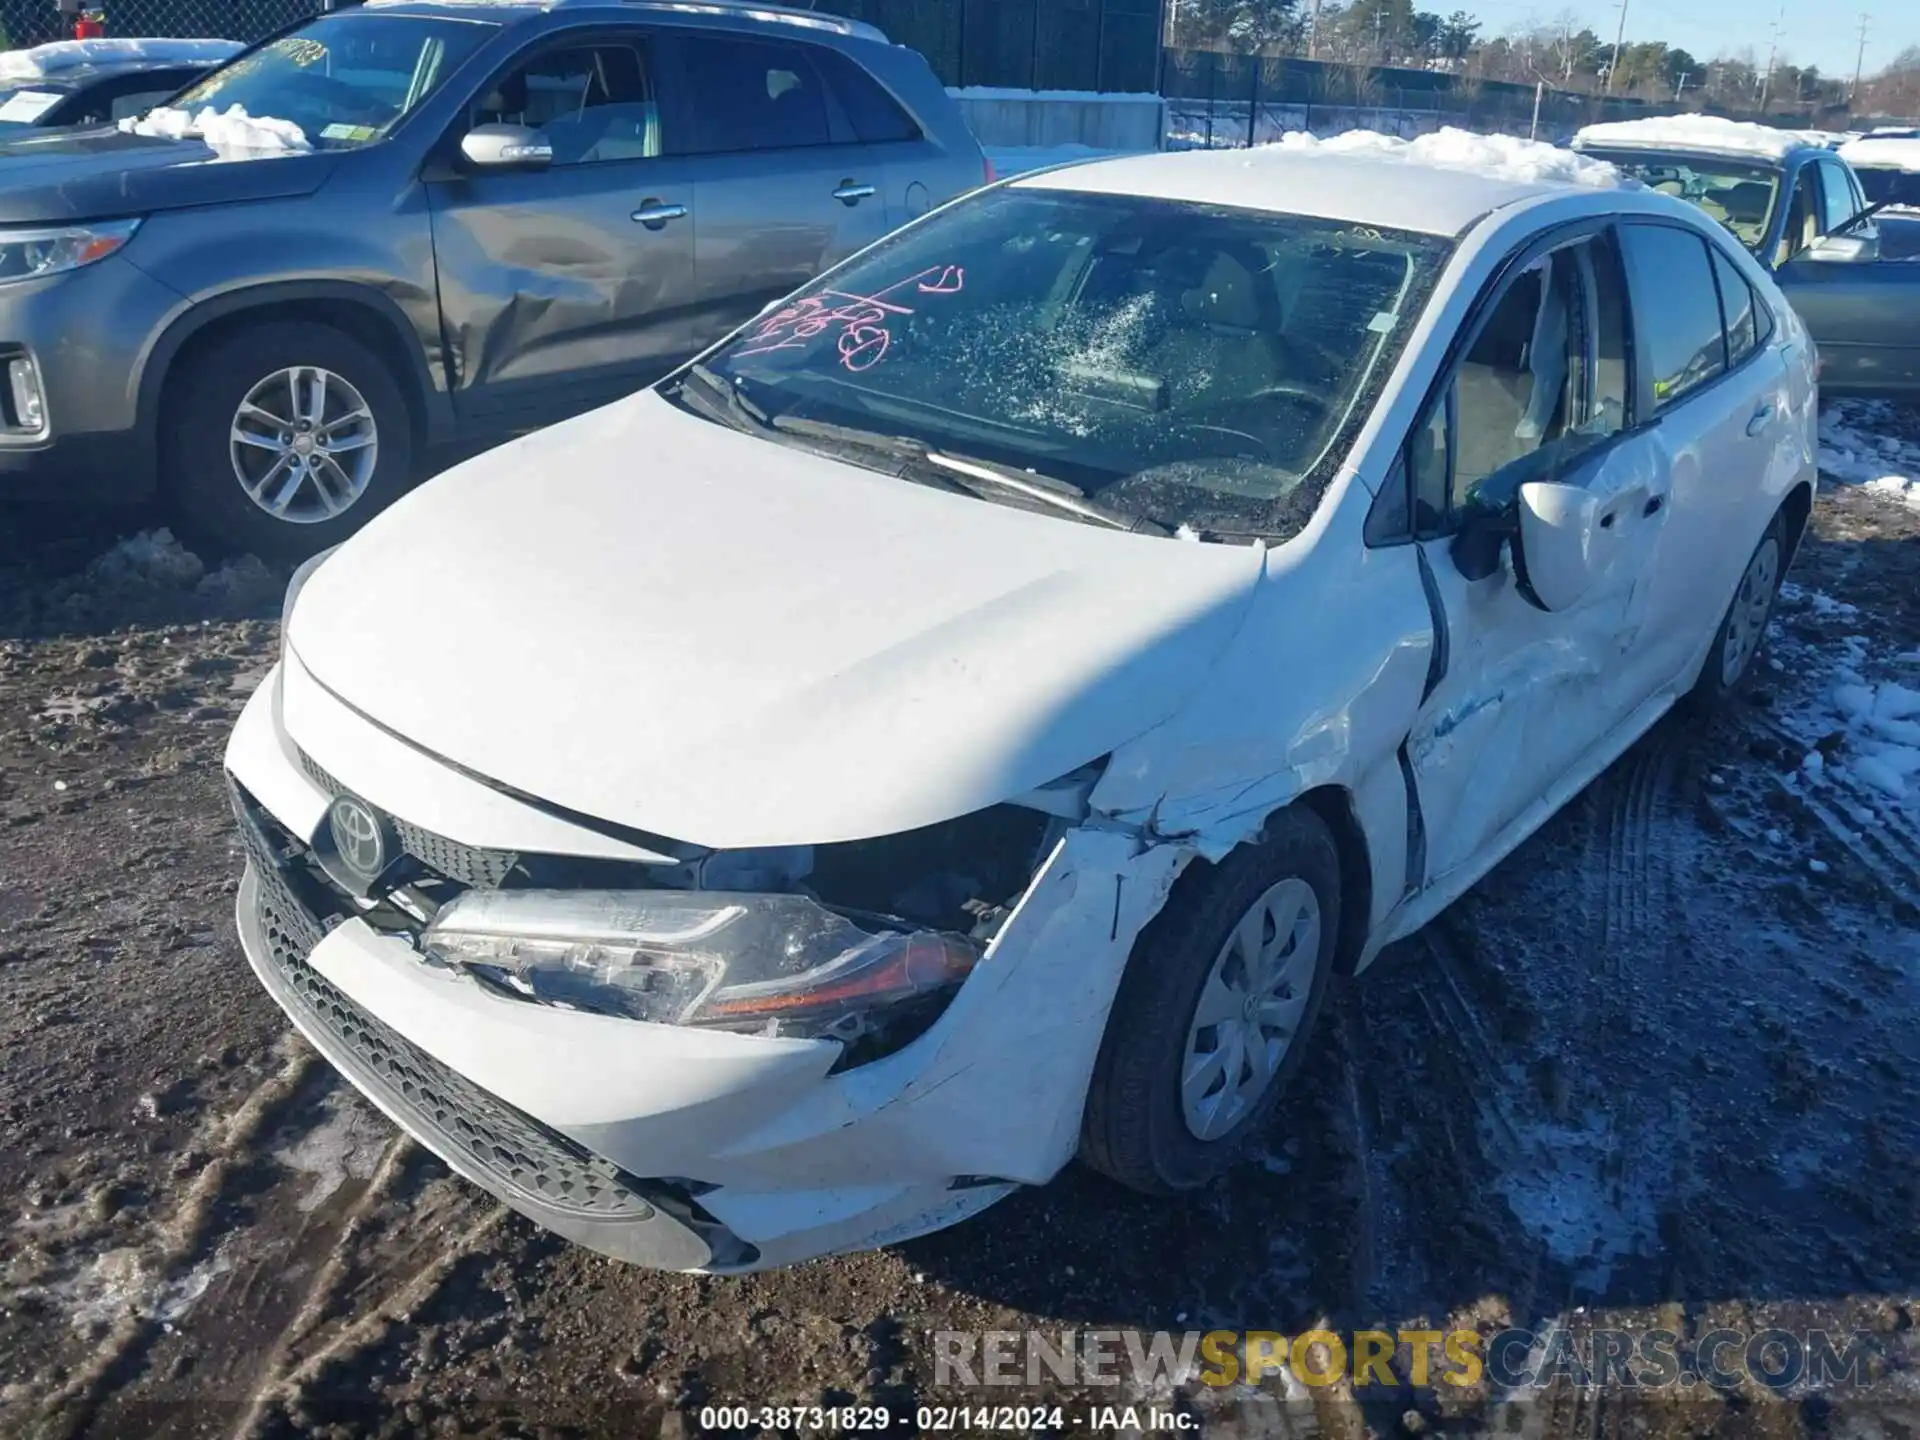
(1540, 388)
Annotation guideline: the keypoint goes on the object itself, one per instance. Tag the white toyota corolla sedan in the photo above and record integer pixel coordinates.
(962, 722)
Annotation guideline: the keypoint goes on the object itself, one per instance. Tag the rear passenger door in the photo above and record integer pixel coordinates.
(782, 187)
(1540, 387)
(1718, 399)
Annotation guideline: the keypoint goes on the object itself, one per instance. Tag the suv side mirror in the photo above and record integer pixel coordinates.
(506, 147)
(1852, 248)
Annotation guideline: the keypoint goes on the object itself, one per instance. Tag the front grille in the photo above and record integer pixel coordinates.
(469, 864)
(510, 1147)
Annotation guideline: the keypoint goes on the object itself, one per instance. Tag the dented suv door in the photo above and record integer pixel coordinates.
(567, 286)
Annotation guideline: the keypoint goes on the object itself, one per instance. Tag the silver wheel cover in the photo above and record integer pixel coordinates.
(1250, 1009)
(304, 445)
(1752, 604)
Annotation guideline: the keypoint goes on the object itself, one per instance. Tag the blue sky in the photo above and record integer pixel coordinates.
(1825, 34)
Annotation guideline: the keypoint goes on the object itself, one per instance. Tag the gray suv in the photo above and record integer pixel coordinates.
(488, 217)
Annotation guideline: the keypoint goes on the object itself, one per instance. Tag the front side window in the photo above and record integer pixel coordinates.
(345, 78)
(1836, 199)
(1803, 217)
(591, 102)
(1544, 379)
(1183, 363)
(1740, 196)
(1677, 306)
(752, 95)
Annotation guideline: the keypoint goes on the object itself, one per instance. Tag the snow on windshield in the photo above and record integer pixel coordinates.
(232, 129)
(1883, 154)
(1694, 132)
(43, 60)
(1500, 157)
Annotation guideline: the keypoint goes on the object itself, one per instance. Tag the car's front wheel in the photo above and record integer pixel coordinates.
(1213, 1013)
(284, 438)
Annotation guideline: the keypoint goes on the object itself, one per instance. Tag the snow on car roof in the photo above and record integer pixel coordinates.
(1712, 133)
(1437, 184)
(61, 55)
(1883, 152)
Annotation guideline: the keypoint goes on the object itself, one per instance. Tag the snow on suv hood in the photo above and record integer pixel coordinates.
(670, 625)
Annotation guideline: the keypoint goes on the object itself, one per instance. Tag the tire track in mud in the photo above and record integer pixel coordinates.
(181, 1240)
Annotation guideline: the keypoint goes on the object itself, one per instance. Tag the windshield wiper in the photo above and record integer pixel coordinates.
(910, 459)
(978, 475)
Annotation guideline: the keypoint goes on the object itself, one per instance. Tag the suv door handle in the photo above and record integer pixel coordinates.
(654, 214)
(851, 193)
(1762, 413)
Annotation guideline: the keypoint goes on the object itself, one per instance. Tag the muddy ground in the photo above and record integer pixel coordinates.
(1659, 1068)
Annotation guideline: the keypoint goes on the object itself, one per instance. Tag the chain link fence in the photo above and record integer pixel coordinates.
(1215, 99)
(1109, 45)
(34, 22)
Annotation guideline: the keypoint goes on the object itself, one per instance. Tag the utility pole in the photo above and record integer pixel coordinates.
(1613, 66)
(1313, 33)
(1773, 48)
(1680, 89)
(1860, 60)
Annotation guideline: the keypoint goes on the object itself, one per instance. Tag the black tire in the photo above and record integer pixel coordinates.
(204, 495)
(1716, 686)
(1135, 1129)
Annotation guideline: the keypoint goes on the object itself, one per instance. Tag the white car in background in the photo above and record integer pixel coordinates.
(963, 723)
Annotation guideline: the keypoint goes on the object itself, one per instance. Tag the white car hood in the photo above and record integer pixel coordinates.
(664, 623)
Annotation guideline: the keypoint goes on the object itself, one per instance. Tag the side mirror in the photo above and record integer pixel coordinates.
(1566, 541)
(506, 147)
(1853, 248)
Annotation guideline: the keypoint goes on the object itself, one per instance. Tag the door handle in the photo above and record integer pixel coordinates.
(851, 193)
(654, 214)
(1762, 414)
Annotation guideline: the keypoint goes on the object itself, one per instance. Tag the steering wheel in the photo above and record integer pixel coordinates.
(347, 101)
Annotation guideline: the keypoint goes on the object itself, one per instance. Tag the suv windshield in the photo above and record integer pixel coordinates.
(1740, 196)
(1171, 362)
(344, 79)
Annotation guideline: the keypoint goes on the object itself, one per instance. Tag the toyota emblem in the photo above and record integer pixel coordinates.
(358, 836)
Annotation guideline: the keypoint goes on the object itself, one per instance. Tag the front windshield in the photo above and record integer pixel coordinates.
(1740, 197)
(1182, 363)
(345, 78)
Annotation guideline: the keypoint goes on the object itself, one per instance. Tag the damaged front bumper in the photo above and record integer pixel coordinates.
(691, 1149)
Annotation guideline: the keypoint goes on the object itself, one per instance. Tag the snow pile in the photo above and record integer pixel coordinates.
(44, 60)
(1500, 157)
(232, 130)
(1693, 132)
(1852, 453)
(1886, 154)
(1883, 724)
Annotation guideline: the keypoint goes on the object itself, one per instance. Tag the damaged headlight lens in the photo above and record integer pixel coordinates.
(771, 964)
(26, 253)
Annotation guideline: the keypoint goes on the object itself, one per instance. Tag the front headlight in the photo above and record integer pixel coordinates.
(26, 253)
(772, 964)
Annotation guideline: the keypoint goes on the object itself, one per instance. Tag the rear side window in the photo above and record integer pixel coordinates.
(1676, 309)
(876, 116)
(1741, 309)
(752, 95)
